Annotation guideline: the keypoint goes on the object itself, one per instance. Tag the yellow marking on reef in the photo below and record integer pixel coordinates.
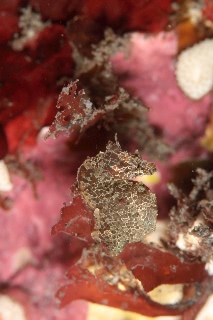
(167, 293)
(97, 312)
(149, 180)
(207, 140)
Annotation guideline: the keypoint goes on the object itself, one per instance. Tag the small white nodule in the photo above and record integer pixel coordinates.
(10, 309)
(209, 267)
(5, 182)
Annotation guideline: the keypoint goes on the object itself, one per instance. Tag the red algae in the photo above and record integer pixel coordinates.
(208, 10)
(30, 99)
(76, 220)
(53, 10)
(11, 5)
(154, 267)
(3, 143)
(75, 115)
(11, 22)
(149, 16)
(102, 286)
(90, 288)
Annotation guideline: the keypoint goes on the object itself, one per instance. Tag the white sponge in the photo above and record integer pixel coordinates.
(194, 69)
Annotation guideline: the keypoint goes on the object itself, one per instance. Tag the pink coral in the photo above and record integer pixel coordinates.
(34, 210)
(150, 74)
